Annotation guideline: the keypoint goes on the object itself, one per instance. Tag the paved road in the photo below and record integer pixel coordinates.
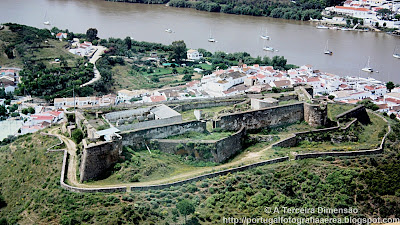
(95, 57)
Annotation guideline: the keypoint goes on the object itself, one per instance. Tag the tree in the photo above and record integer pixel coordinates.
(77, 135)
(128, 43)
(91, 34)
(390, 86)
(331, 97)
(348, 22)
(3, 110)
(178, 51)
(187, 77)
(31, 110)
(368, 104)
(392, 116)
(185, 208)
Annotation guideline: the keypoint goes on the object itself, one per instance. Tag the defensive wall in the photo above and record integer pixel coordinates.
(207, 150)
(137, 138)
(64, 169)
(294, 139)
(315, 115)
(358, 112)
(98, 157)
(215, 174)
(209, 175)
(204, 104)
(149, 123)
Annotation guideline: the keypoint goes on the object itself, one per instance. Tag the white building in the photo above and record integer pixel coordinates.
(352, 11)
(193, 54)
(126, 95)
(61, 36)
(83, 49)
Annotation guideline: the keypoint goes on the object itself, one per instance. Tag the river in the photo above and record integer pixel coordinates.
(300, 42)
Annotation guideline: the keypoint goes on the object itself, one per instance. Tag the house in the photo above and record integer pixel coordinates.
(79, 102)
(8, 83)
(126, 95)
(357, 12)
(28, 129)
(38, 119)
(61, 36)
(280, 83)
(164, 112)
(392, 95)
(83, 49)
(155, 98)
(193, 54)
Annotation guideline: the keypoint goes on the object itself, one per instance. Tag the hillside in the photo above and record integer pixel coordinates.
(20, 44)
(29, 181)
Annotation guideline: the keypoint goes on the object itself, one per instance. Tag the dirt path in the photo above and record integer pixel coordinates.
(247, 158)
(95, 57)
(71, 149)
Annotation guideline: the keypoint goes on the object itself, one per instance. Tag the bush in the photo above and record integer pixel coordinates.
(77, 135)
(2, 202)
(135, 178)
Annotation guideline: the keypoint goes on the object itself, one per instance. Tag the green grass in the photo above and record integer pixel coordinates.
(45, 55)
(29, 183)
(152, 166)
(202, 136)
(126, 78)
(336, 109)
(369, 137)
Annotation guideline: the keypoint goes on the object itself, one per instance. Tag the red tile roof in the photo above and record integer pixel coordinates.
(260, 76)
(160, 98)
(392, 100)
(352, 8)
(313, 79)
(40, 117)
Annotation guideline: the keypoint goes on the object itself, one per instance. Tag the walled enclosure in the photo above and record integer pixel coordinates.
(358, 112)
(98, 157)
(315, 115)
(208, 150)
(137, 138)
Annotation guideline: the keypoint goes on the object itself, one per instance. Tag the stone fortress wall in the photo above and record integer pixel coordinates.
(315, 115)
(301, 111)
(209, 150)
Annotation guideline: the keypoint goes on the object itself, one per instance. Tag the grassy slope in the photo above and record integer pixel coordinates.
(37, 198)
(126, 78)
(46, 55)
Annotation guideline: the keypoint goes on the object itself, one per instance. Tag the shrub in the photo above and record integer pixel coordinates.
(77, 135)
(135, 178)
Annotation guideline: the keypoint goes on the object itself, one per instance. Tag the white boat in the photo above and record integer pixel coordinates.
(265, 36)
(322, 27)
(333, 28)
(327, 51)
(211, 39)
(367, 68)
(168, 30)
(267, 48)
(46, 21)
(345, 29)
(396, 55)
